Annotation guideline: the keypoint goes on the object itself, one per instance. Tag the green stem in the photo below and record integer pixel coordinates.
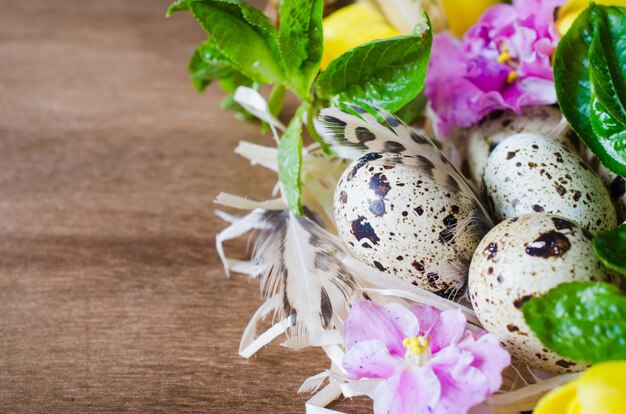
(310, 126)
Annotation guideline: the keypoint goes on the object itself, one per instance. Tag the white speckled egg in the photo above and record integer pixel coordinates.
(617, 188)
(520, 258)
(409, 217)
(531, 173)
(495, 128)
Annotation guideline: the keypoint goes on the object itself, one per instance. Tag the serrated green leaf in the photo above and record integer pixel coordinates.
(301, 42)
(243, 34)
(290, 162)
(208, 64)
(587, 66)
(387, 73)
(610, 247)
(178, 5)
(583, 321)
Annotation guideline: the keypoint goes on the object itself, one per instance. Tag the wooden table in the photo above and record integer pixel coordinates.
(112, 298)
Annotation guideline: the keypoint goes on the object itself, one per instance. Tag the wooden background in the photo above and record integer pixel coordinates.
(112, 298)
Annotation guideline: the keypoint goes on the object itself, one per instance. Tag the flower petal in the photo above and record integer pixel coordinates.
(468, 79)
(370, 359)
(390, 324)
(447, 331)
(427, 317)
(415, 390)
(462, 385)
(489, 357)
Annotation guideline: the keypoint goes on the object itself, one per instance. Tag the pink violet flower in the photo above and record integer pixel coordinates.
(502, 62)
(428, 361)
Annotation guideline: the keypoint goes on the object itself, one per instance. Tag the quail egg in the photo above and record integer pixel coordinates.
(499, 125)
(411, 217)
(531, 173)
(518, 259)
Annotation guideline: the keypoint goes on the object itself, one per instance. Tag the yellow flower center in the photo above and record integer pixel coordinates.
(510, 78)
(504, 57)
(416, 344)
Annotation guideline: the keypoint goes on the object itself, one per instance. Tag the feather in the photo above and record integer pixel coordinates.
(298, 261)
(375, 130)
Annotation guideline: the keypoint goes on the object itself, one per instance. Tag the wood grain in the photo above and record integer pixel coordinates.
(112, 298)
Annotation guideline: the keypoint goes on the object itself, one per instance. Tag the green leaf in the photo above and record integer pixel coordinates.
(387, 73)
(411, 112)
(610, 247)
(583, 321)
(606, 127)
(301, 42)
(208, 64)
(290, 162)
(242, 33)
(178, 5)
(589, 68)
(607, 68)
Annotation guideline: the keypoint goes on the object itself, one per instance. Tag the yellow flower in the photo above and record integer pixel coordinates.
(599, 390)
(462, 14)
(352, 26)
(570, 11)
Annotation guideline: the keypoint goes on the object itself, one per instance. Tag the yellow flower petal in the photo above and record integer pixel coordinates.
(599, 390)
(352, 26)
(570, 11)
(602, 389)
(462, 14)
(561, 400)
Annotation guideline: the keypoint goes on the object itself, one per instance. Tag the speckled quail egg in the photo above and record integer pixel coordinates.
(531, 173)
(518, 259)
(407, 216)
(617, 188)
(499, 125)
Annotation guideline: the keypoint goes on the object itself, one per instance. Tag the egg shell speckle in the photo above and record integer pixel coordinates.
(404, 221)
(529, 173)
(525, 257)
(499, 125)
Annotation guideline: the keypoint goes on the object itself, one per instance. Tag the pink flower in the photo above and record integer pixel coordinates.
(428, 361)
(502, 62)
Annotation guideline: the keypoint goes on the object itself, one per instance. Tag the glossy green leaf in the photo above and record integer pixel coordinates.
(610, 247)
(582, 321)
(608, 130)
(607, 63)
(242, 33)
(589, 67)
(301, 42)
(387, 73)
(208, 64)
(290, 162)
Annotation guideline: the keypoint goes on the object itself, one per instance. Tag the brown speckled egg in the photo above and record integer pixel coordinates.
(617, 188)
(529, 173)
(408, 217)
(495, 128)
(521, 258)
